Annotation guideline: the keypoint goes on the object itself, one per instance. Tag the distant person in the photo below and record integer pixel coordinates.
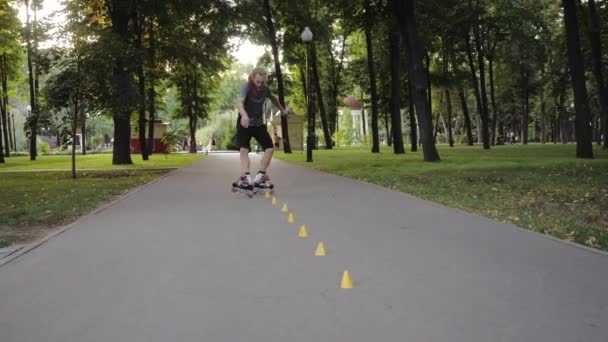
(250, 124)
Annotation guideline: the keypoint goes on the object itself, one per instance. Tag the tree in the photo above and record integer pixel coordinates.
(64, 92)
(584, 148)
(122, 87)
(9, 59)
(32, 120)
(598, 67)
(369, 17)
(407, 19)
(398, 147)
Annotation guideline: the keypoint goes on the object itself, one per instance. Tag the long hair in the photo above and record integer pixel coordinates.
(256, 71)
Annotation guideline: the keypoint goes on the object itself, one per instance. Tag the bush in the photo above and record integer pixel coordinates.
(43, 147)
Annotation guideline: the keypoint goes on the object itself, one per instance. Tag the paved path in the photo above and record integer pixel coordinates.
(186, 260)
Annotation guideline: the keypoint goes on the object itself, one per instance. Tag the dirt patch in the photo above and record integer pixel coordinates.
(22, 235)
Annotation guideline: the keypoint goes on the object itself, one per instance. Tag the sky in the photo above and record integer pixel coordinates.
(247, 53)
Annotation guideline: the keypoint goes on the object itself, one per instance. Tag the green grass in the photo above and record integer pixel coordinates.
(96, 161)
(540, 187)
(33, 203)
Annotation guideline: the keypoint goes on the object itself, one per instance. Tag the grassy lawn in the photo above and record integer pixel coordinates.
(96, 161)
(33, 203)
(539, 187)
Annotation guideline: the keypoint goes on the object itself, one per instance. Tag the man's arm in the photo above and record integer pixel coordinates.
(244, 114)
(241, 106)
(277, 104)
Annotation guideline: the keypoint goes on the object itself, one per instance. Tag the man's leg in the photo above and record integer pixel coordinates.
(244, 160)
(264, 140)
(266, 159)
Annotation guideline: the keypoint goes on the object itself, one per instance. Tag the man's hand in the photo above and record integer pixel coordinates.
(244, 121)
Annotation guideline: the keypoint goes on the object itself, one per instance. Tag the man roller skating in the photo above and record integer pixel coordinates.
(250, 124)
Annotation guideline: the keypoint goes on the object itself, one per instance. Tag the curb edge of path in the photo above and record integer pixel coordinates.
(461, 211)
(24, 249)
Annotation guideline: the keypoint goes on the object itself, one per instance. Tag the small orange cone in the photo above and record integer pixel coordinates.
(347, 282)
(291, 218)
(284, 209)
(267, 195)
(303, 233)
(320, 251)
(274, 200)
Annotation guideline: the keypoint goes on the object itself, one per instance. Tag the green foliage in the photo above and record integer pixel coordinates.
(345, 135)
(96, 141)
(43, 147)
(221, 127)
(173, 139)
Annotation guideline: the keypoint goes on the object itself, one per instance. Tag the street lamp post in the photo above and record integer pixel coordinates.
(310, 140)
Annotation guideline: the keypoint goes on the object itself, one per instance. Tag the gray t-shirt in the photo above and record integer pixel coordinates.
(254, 104)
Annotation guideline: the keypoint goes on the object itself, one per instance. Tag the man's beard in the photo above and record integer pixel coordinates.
(258, 89)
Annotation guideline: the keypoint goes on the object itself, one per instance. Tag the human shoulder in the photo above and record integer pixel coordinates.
(244, 90)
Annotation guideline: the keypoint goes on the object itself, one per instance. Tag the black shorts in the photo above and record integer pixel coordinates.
(260, 133)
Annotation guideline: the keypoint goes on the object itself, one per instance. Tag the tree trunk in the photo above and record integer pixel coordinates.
(387, 127)
(120, 11)
(448, 101)
(14, 133)
(485, 136)
(372, 76)
(193, 115)
(2, 161)
(33, 119)
(543, 110)
(467, 117)
(335, 83)
(407, 20)
(74, 125)
(493, 97)
(279, 74)
(83, 128)
(363, 122)
(562, 118)
(474, 80)
(398, 147)
(436, 126)
(584, 147)
(11, 130)
(413, 124)
(142, 113)
(4, 104)
(138, 22)
(151, 90)
(75, 117)
(526, 119)
(429, 87)
(3, 130)
(598, 68)
(322, 112)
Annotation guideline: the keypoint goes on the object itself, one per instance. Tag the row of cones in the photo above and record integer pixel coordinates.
(346, 282)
